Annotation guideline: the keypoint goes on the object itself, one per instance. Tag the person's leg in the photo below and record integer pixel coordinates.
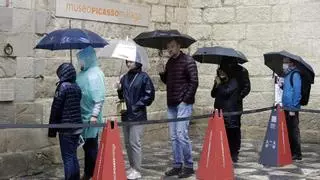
(90, 152)
(126, 136)
(183, 140)
(296, 142)
(135, 143)
(176, 150)
(68, 147)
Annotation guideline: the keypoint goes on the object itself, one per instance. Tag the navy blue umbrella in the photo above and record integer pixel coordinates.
(71, 38)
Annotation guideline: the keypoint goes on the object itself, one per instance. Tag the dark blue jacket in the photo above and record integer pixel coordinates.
(138, 92)
(65, 107)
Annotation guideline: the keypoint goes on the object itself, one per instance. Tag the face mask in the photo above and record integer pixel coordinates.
(285, 66)
(223, 78)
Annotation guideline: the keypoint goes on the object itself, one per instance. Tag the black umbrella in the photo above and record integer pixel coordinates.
(217, 54)
(158, 39)
(274, 61)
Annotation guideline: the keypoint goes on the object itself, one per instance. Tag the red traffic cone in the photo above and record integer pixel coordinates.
(215, 162)
(276, 148)
(110, 162)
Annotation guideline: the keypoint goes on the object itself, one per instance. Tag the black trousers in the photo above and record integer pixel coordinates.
(234, 140)
(294, 133)
(90, 148)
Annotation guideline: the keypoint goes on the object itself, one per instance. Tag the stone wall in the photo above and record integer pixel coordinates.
(251, 26)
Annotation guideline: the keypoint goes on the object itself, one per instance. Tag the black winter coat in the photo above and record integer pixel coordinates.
(227, 97)
(65, 107)
(138, 92)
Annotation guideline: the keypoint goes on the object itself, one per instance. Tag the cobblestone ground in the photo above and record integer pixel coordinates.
(157, 156)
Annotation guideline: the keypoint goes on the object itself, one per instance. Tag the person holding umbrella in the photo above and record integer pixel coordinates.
(91, 82)
(181, 77)
(226, 91)
(298, 77)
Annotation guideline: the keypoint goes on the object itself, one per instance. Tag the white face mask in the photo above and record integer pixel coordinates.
(285, 66)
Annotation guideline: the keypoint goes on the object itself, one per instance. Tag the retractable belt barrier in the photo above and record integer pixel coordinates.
(158, 121)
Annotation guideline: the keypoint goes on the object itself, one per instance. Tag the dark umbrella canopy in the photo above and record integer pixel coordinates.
(217, 54)
(274, 61)
(160, 38)
(71, 38)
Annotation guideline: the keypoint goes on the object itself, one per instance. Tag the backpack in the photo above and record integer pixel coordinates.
(242, 77)
(305, 88)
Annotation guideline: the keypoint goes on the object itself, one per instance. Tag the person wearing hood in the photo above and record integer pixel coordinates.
(137, 91)
(91, 81)
(66, 109)
(226, 92)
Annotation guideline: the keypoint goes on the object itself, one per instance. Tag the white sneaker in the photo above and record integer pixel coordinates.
(134, 175)
(129, 171)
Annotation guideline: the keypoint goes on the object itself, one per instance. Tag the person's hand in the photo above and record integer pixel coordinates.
(217, 80)
(93, 120)
(291, 113)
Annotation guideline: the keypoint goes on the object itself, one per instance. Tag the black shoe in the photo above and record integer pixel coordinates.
(296, 158)
(186, 172)
(173, 172)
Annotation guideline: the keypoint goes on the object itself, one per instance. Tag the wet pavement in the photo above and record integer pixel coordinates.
(157, 156)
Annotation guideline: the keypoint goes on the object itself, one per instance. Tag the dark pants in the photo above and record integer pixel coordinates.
(90, 148)
(294, 133)
(234, 140)
(68, 147)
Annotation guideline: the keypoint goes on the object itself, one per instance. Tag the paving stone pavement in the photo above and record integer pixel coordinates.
(157, 156)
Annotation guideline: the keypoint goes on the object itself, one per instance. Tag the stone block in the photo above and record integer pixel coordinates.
(231, 44)
(258, 100)
(24, 90)
(7, 112)
(97, 27)
(7, 67)
(255, 47)
(25, 67)
(219, 15)
(277, 31)
(182, 28)
(51, 66)
(204, 3)
(110, 106)
(254, 2)
(160, 102)
(170, 16)
(158, 13)
(28, 113)
(23, 21)
(170, 2)
(299, 46)
(23, 4)
(181, 15)
(316, 48)
(162, 26)
(280, 13)
(41, 21)
(27, 139)
(206, 82)
(207, 69)
(260, 84)
(253, 14)
(112, 67)
(200, 32)
(7, 92)
(6, 22)
(203, 97)
(257, 68)
(195, 15)
(306, 12)
(304, 30)
(274, 2)
(22, 43)
(109, 82)
(3, 142)
(152, 1)
(231, 2)
(45, 88)
(229, 31)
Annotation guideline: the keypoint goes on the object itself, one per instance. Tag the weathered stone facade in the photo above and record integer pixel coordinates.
(251, 26)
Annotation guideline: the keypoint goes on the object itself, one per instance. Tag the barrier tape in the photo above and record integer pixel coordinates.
(160, 121)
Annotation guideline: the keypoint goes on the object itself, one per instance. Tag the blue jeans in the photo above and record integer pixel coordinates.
(179, 133)
(68, 147)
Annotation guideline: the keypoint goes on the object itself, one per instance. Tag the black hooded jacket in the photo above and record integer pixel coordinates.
(65, 107)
